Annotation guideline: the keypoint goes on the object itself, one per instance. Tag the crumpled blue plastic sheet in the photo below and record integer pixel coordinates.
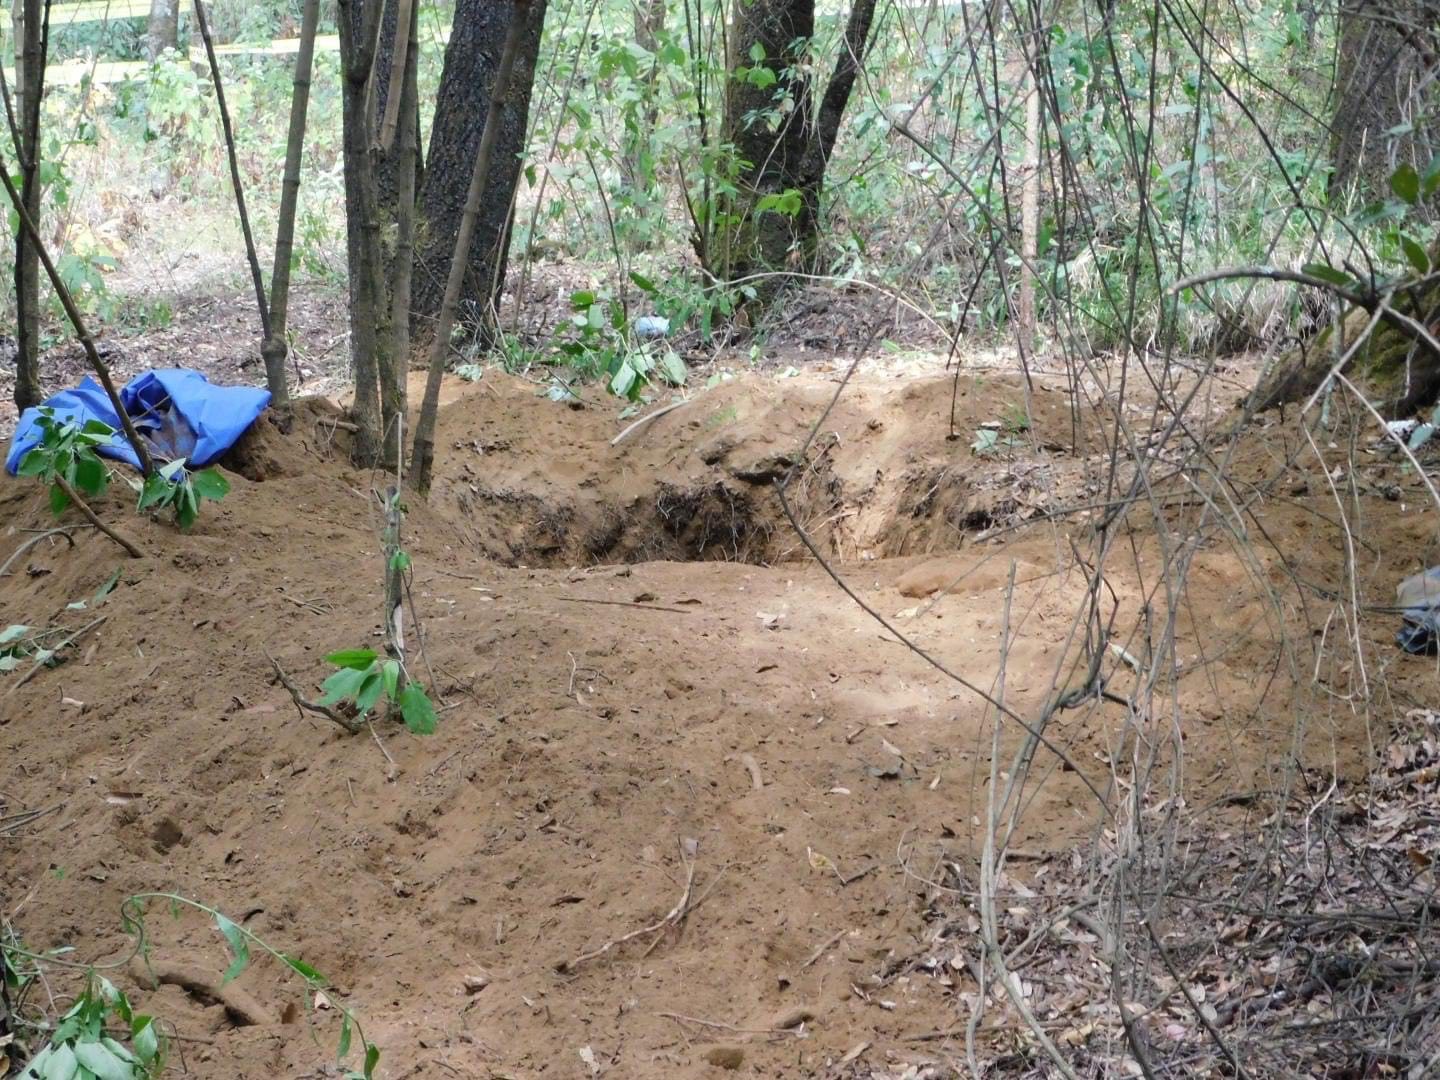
(175, 410)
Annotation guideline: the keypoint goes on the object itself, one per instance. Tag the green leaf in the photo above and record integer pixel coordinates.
(623, 381)
(145, 1038)
(209, 484)
(98, 427)
(155, 492)
(643, 283)
(99, 1060)
(8, 663)
(187, 506)
(369, 692)
(390, 675)
(118, 1049)
(1405, 182)
(304, 970)
(170, 469)
(400, 562)
(1415, 255)
(90, 475)
(34, 463)
(105, 589)
(343, 685)
(239, 947)
(762, 78)
(58, 500)
(1328, 273)
(417, 710)
(360, 659)
(372, 1058)
(112, 996)
(61, 1064)
(13, 632)
(673, 368)
(344, 1047)
(582, 299)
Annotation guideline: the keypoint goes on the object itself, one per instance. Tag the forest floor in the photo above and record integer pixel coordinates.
(660, 711)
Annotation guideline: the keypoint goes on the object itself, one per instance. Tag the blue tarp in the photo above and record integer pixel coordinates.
(175, 410)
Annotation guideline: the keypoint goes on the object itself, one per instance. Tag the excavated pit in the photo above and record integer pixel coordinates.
(537, 485)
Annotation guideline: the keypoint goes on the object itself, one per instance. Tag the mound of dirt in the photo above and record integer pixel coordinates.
(625, 734)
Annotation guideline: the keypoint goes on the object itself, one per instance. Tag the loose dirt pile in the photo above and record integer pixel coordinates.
(650, 692)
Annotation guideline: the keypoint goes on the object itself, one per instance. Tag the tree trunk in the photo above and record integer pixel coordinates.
(358, 22)
(1397, 369)
(472, 59)
(401, 259)
(162, 31)
(481, 172)
(1387, 52)
(275, 347)
(31, 31)
(781, 132)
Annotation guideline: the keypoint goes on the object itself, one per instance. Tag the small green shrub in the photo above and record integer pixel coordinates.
(365, 678)
(174, 486)
(67, 452)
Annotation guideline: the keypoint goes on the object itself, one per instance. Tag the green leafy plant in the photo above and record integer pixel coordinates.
(175, 486)
(241, 942)
(365, 678)
(84, 1045)
(66, 457)
(602, 344)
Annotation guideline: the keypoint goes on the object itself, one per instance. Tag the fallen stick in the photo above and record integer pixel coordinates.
(674, 917)
(719, 1025)
(823, 949)
(646, 419)
(621, 603)
(64, 531)
(84, 508)
(39, 664)
(304, 705)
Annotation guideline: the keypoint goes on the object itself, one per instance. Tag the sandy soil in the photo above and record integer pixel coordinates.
(636, 663)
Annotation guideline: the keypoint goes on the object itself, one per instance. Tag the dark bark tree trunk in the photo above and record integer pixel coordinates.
(472, 58)
(162, 30)
(32, 33)
(782, 132)
(482, 171)
(1384, 79)
(1398, 370)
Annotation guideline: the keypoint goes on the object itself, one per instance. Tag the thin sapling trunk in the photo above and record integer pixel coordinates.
(359, 32)
(402, 258)
(102, 371)
(250, 254)
(274, 347)
(33, 19)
